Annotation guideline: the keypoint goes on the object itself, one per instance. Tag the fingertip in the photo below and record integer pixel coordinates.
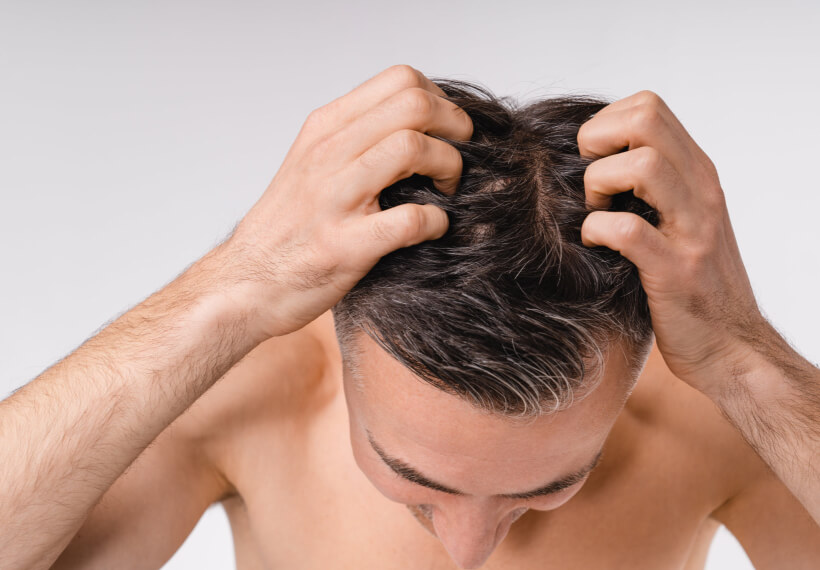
(588, 231)
(439, 221)
(446, 186)
(408, 224)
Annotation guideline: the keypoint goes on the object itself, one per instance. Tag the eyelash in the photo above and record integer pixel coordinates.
(524, 498)
(556, 493)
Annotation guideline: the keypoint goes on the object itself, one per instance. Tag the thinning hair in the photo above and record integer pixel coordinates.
(508, 309)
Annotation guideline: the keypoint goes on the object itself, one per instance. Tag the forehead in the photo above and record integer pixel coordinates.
(447, 435)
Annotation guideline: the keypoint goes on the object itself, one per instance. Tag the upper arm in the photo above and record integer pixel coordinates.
(151, 508)
(773, 527)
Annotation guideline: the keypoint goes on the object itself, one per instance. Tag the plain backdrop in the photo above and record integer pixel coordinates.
(133, 136)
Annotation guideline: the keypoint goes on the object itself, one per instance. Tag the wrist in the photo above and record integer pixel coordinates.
(230, 292)
(762, 367)
(215, 297)
(269, 300)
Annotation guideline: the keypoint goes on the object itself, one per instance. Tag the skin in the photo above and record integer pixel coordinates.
(303, 490)
(70, 434)
(480, 454)
(704, 314)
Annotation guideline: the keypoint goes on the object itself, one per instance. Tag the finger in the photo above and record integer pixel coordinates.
(632, 128)
(398, 156)
(644, 97)
(643, 170)
(625, 232)
(636, 126)
(413, 109)
(339, 112)
(403, 226)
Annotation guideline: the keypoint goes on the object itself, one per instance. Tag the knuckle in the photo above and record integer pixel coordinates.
(404, 76)
(382, 232)
(408, 144)
(321, 149)
(647, 162)
(649, 98)
(707, 178)
(717, 198)
(628, 228)
(415, 101)
(414, 224)
(646, 118)
(711, 169)
(316, 117)
(713, 196)
(409, 223)
(696, 254)
(378, 157)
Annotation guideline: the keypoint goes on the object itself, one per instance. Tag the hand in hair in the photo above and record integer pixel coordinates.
(706, 321)
(700, 298)
(318, 227)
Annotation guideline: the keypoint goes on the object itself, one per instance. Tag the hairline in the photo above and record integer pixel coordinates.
(351, 353)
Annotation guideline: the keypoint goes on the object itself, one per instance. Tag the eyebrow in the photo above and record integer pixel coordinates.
(411, 474)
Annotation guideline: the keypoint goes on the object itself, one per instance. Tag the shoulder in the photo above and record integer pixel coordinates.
(735, 485)
(279, 378)
(279, 387)
(695, 435)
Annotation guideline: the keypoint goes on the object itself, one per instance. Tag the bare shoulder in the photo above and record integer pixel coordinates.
(716, 467)
(740, 490)
(695, 434)
(279, 386)
(278, 378)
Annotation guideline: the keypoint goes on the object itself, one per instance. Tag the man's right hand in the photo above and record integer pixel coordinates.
(318, 228)
(69, 434)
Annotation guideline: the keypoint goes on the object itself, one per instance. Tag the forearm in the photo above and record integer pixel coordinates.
(67, 435)
(773, 397)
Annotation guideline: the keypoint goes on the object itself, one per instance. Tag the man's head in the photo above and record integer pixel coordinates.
(492, 362)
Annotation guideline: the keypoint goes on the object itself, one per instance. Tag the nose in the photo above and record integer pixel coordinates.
(471, 531)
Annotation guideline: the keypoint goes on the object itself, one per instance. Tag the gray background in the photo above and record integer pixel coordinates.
(133, 136)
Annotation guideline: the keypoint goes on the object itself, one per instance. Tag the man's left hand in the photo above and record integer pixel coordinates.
(702, 305)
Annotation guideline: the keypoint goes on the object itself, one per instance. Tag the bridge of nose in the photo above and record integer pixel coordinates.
(470, 532)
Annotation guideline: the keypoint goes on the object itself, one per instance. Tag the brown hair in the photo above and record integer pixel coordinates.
(508, 309)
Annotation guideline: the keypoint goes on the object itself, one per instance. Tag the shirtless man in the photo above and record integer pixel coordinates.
(109, 458)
